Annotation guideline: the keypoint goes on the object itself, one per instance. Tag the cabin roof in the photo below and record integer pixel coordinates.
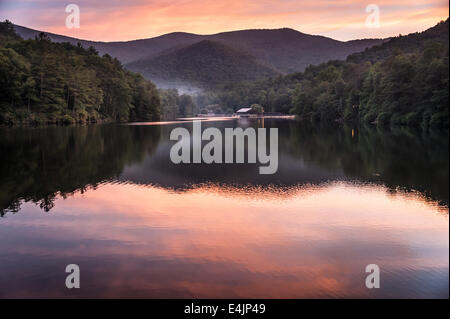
(244, 110)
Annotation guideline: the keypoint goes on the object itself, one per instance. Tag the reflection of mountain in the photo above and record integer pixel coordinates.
(315, 155)
(159, 170)
(398, 158)
(42, 163)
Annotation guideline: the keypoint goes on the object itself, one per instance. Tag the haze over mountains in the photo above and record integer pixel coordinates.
(206, 60)
(203, 63)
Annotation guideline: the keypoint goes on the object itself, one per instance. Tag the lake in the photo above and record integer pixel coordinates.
(108, 199)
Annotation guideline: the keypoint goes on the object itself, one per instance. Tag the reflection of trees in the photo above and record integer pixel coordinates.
(397, 157)
(38, 164)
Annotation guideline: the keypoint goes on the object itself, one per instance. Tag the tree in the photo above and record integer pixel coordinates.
(186, 105)
(257, 108)
(66, 83)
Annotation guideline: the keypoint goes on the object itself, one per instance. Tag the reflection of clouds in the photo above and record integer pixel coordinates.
(208, 242)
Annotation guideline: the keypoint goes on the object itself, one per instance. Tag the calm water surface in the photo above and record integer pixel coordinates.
(108, 199)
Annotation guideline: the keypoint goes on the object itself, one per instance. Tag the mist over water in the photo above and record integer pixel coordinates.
(181, 87)
(109, 199)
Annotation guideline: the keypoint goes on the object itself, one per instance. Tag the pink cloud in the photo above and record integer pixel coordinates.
(117, 20)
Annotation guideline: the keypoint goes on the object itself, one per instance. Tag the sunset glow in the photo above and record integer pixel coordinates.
(225, 155)
(119, 20)
(237, 234)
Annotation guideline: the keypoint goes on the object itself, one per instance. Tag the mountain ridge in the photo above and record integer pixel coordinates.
(286, 49)
(203, 64)
(403, 81)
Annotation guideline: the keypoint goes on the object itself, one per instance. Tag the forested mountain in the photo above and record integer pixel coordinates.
(286, 50)
(202, 64)
(403, 81)
(46, 82)
(404, 44)
(126, 51)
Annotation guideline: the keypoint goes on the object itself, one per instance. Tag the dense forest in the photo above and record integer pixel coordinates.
(204, 64)
(44, 82)
(403, 81)
(175, 105)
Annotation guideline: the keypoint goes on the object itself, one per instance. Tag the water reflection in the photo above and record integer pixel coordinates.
(139, 226)
(133, 241)
(37, 164)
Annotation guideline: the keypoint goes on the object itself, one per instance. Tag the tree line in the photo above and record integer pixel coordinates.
(174, 104)
(404, 81)
(44, 82)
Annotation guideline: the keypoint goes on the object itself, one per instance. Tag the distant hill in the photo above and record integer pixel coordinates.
(205, 63)
(286, 50)
(404, 81)
(125, 52)
(412, 42)
(289, 50)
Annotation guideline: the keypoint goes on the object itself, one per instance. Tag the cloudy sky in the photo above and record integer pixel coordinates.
(109, 20)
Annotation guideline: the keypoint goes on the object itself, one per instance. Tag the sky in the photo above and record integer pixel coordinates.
(119, 20)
